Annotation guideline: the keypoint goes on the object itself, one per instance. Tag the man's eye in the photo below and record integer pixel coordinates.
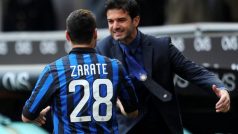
(110, 21)
(121, 20)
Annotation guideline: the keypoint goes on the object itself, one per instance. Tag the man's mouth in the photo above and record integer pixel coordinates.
(117, 33)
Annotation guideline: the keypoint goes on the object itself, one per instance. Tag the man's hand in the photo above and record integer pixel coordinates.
(133, 114)
(41, 119)
(223, 105)
(119, 105)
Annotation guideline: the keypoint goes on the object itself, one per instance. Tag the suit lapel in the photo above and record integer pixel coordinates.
(147, 52)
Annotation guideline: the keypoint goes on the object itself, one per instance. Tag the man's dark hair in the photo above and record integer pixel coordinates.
(80, 25)
(130, 6)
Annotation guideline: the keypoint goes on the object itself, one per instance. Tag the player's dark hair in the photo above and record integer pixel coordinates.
(80, 25)
(131, 6)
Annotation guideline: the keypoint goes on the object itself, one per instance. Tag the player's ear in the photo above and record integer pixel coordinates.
(95, 35)
(67, 36)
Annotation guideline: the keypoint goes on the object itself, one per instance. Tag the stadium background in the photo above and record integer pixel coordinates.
(31, 35)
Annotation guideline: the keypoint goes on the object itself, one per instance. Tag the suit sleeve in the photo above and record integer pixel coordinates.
(191, 71)
(40, 95)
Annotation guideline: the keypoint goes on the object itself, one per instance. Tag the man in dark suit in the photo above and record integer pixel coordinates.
(160, 60)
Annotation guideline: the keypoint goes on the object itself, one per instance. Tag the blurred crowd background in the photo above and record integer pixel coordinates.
(47, 15)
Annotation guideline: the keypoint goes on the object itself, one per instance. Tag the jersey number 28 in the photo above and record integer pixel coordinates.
(98, 100)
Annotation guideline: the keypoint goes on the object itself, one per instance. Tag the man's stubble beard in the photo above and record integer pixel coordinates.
(125, 38)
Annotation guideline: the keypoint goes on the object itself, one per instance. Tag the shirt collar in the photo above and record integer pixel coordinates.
(82, 50)
(133, 45)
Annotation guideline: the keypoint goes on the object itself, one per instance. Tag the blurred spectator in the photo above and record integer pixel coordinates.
(1, 10)
(28, 15)
(158, 12)
(97, 7)
(42, 15)
(187, 11)
(152, 12)
(233, 10)
(62, 8)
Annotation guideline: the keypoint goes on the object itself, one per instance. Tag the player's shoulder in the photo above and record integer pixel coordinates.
(58, 62)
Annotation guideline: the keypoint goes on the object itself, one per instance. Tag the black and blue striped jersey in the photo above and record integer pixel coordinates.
(82, 89)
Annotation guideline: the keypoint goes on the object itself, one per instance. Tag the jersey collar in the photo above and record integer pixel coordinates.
(83, 50)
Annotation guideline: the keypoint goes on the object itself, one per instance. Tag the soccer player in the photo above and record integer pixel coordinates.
(83, 87)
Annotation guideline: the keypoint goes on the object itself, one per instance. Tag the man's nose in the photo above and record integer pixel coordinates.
(116, 24)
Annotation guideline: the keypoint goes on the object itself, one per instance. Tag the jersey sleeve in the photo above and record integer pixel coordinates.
(127, 93)
(40, 95)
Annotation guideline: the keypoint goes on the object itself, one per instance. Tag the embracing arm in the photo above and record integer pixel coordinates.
(201, 77)
(40, 120)
(36, 107)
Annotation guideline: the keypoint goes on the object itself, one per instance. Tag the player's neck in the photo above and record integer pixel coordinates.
(83, 46)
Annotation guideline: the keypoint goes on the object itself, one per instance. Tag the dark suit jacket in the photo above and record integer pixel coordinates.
(162, 60)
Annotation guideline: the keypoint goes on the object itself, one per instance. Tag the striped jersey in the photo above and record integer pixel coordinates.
(82, 89)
